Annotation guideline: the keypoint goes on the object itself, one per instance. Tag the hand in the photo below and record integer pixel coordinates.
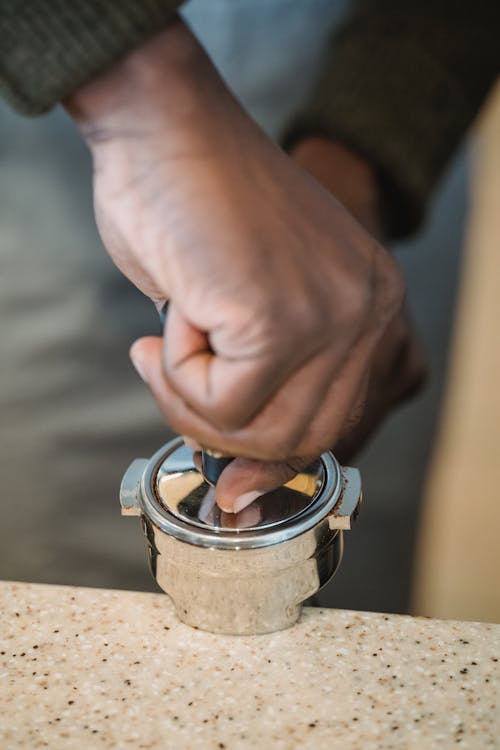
(278, 297)
(398, 365)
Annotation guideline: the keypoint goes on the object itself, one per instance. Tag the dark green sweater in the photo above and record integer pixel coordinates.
(402, 81)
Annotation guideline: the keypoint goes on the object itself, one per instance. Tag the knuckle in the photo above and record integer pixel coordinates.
(390, 283)
(371, 302)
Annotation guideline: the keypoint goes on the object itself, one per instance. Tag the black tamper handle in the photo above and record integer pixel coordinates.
(212, 463)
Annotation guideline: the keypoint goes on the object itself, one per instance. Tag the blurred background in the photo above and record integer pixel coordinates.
(74, 413)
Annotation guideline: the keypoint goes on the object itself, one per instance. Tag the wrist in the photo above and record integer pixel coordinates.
(161, 76)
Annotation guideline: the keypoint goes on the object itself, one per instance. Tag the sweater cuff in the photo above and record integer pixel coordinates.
(397, 106)
(51, 47)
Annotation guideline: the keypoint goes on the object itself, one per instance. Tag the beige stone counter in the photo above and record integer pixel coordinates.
(85, 668)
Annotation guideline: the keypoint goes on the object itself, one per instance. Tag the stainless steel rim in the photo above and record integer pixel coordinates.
(237, 539)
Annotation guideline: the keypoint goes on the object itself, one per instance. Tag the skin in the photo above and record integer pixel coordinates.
(286, 333)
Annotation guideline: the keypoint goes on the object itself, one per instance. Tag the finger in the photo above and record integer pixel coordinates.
(245, 479)
(225, 390)
(147, 357)
(186, 345)
(273, 434)
(342, 407)
(354, 430)
(397, 372)
(276, 430)
(286, 426)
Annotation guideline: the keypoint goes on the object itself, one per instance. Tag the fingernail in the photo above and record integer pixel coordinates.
(245, 499)
(139, 366)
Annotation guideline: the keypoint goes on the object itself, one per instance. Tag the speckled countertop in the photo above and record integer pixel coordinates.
(87, 668)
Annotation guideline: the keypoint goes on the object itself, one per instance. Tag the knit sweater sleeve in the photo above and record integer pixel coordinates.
(50, 47)
(402, 82)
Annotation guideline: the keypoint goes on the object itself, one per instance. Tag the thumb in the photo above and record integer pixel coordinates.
(246, 479)
(146, 354)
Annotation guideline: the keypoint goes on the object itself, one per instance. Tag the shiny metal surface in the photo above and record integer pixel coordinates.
(182, 490)
(244, 573)
(226, 537)
(243, 592)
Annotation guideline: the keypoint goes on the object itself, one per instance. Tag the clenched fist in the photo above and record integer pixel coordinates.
(278, 298)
